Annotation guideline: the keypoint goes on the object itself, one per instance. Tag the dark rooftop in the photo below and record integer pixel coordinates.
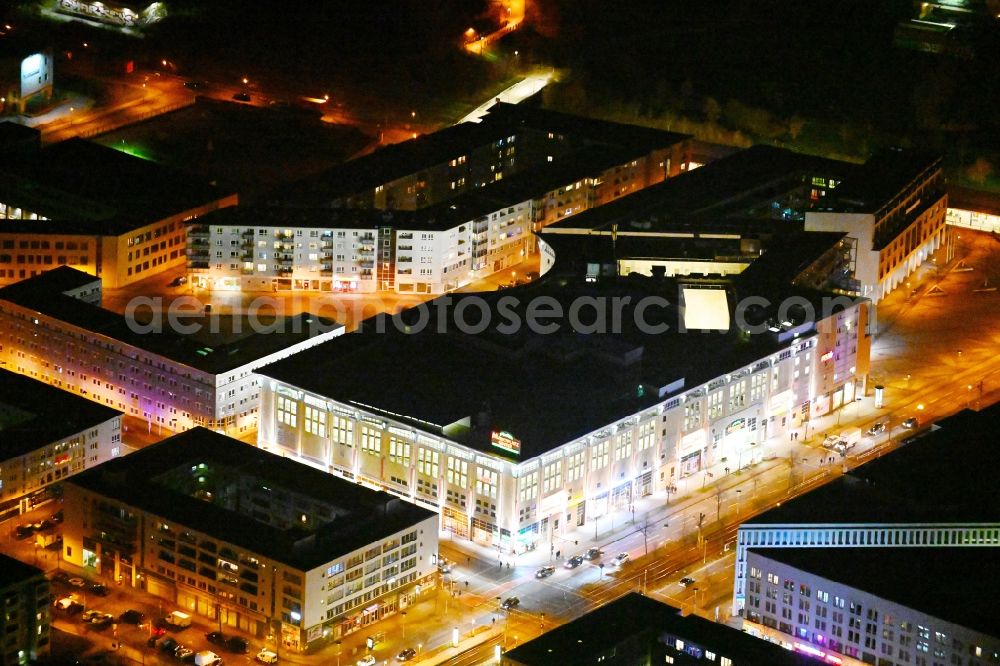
(955, 584)
(577, 377)
(964, 198)
(81, 180)
(647, 621)
(881, 179)
(210, 350)
(401, 159)
(13, 572)
(363, 515)
(34, 414)
(718, 188)
(944, 476)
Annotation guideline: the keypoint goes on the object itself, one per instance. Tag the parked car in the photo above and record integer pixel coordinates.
(151, 642)
(686, 582)
(406, 655)
(98, 589)
(574, 562)
(77, 582)
(216, 638)
(876, 429)
(89, 615)
(131, 616)
(68, 605)
(102, 621)
(367, 660)
(444, 566)
(23, 531)
(593, 554)
(545, 572)
(182, 652)
(831, 441)
(237, 644)
(61, 577)
(266, 657)
(241, 97)
(57, 517)
(168, 645)
(620, 559)
(178, 281)
(510, 602)
(911, 423)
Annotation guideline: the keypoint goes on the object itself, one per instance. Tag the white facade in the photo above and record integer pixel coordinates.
(513, 505)
(166, 393)
(25, 476)
(882, 263)
(972, 219)
(844, 625)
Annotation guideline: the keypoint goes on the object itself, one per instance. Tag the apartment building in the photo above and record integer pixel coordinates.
(511, 139)
(46, 436)
(172, 372)
(101, 211)
(922, 496)
(25, 621)
(855, 606)
(649, 412)
(250, 539)
(894, 207)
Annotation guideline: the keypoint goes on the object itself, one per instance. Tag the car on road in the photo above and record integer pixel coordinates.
(241, 97)
(98, 589)
(182, 652)
(406, 655)
(193, 85)
(157, 632)
(237, 644)
(686, 582)
(545, 572)
(102, 621)
(57, 517)
(444, 566)
(592, 554)
(266, 657)
(911, 423)
(875, 429)
(574, 562)
(88, 616)
(77, 582)
(830, 441)
(216, 638)
(178, 281)
(23, 531)
(61, 577)
(68, 605)
(510, 602)
(168, 645)
(620, 559)
(367, 660)
(131, 616)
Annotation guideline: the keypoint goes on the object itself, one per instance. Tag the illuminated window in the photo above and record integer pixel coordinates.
(527, 487)
(553, 477)
(288, 411)
(341, 431)
(371, 441)
(623, 445)
(315, 421)
(427, 462)
(647, 435)
(487, 483)
(458, 472)
(574, 467)
(399, 451)
(599, 455)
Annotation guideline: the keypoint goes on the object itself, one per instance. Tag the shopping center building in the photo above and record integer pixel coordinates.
(517, 434)
(250, 539)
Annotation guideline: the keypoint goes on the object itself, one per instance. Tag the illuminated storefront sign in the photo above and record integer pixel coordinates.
(506, 441)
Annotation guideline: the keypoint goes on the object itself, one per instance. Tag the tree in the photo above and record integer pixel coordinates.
(712, 109)
(979, 171)
(795, 126)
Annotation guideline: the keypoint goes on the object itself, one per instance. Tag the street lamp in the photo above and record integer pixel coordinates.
(403, 616)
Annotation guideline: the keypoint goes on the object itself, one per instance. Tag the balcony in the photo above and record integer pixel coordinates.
(198, 231)
(248, 234)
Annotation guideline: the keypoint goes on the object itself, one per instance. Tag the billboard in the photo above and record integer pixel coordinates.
(36, 74)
